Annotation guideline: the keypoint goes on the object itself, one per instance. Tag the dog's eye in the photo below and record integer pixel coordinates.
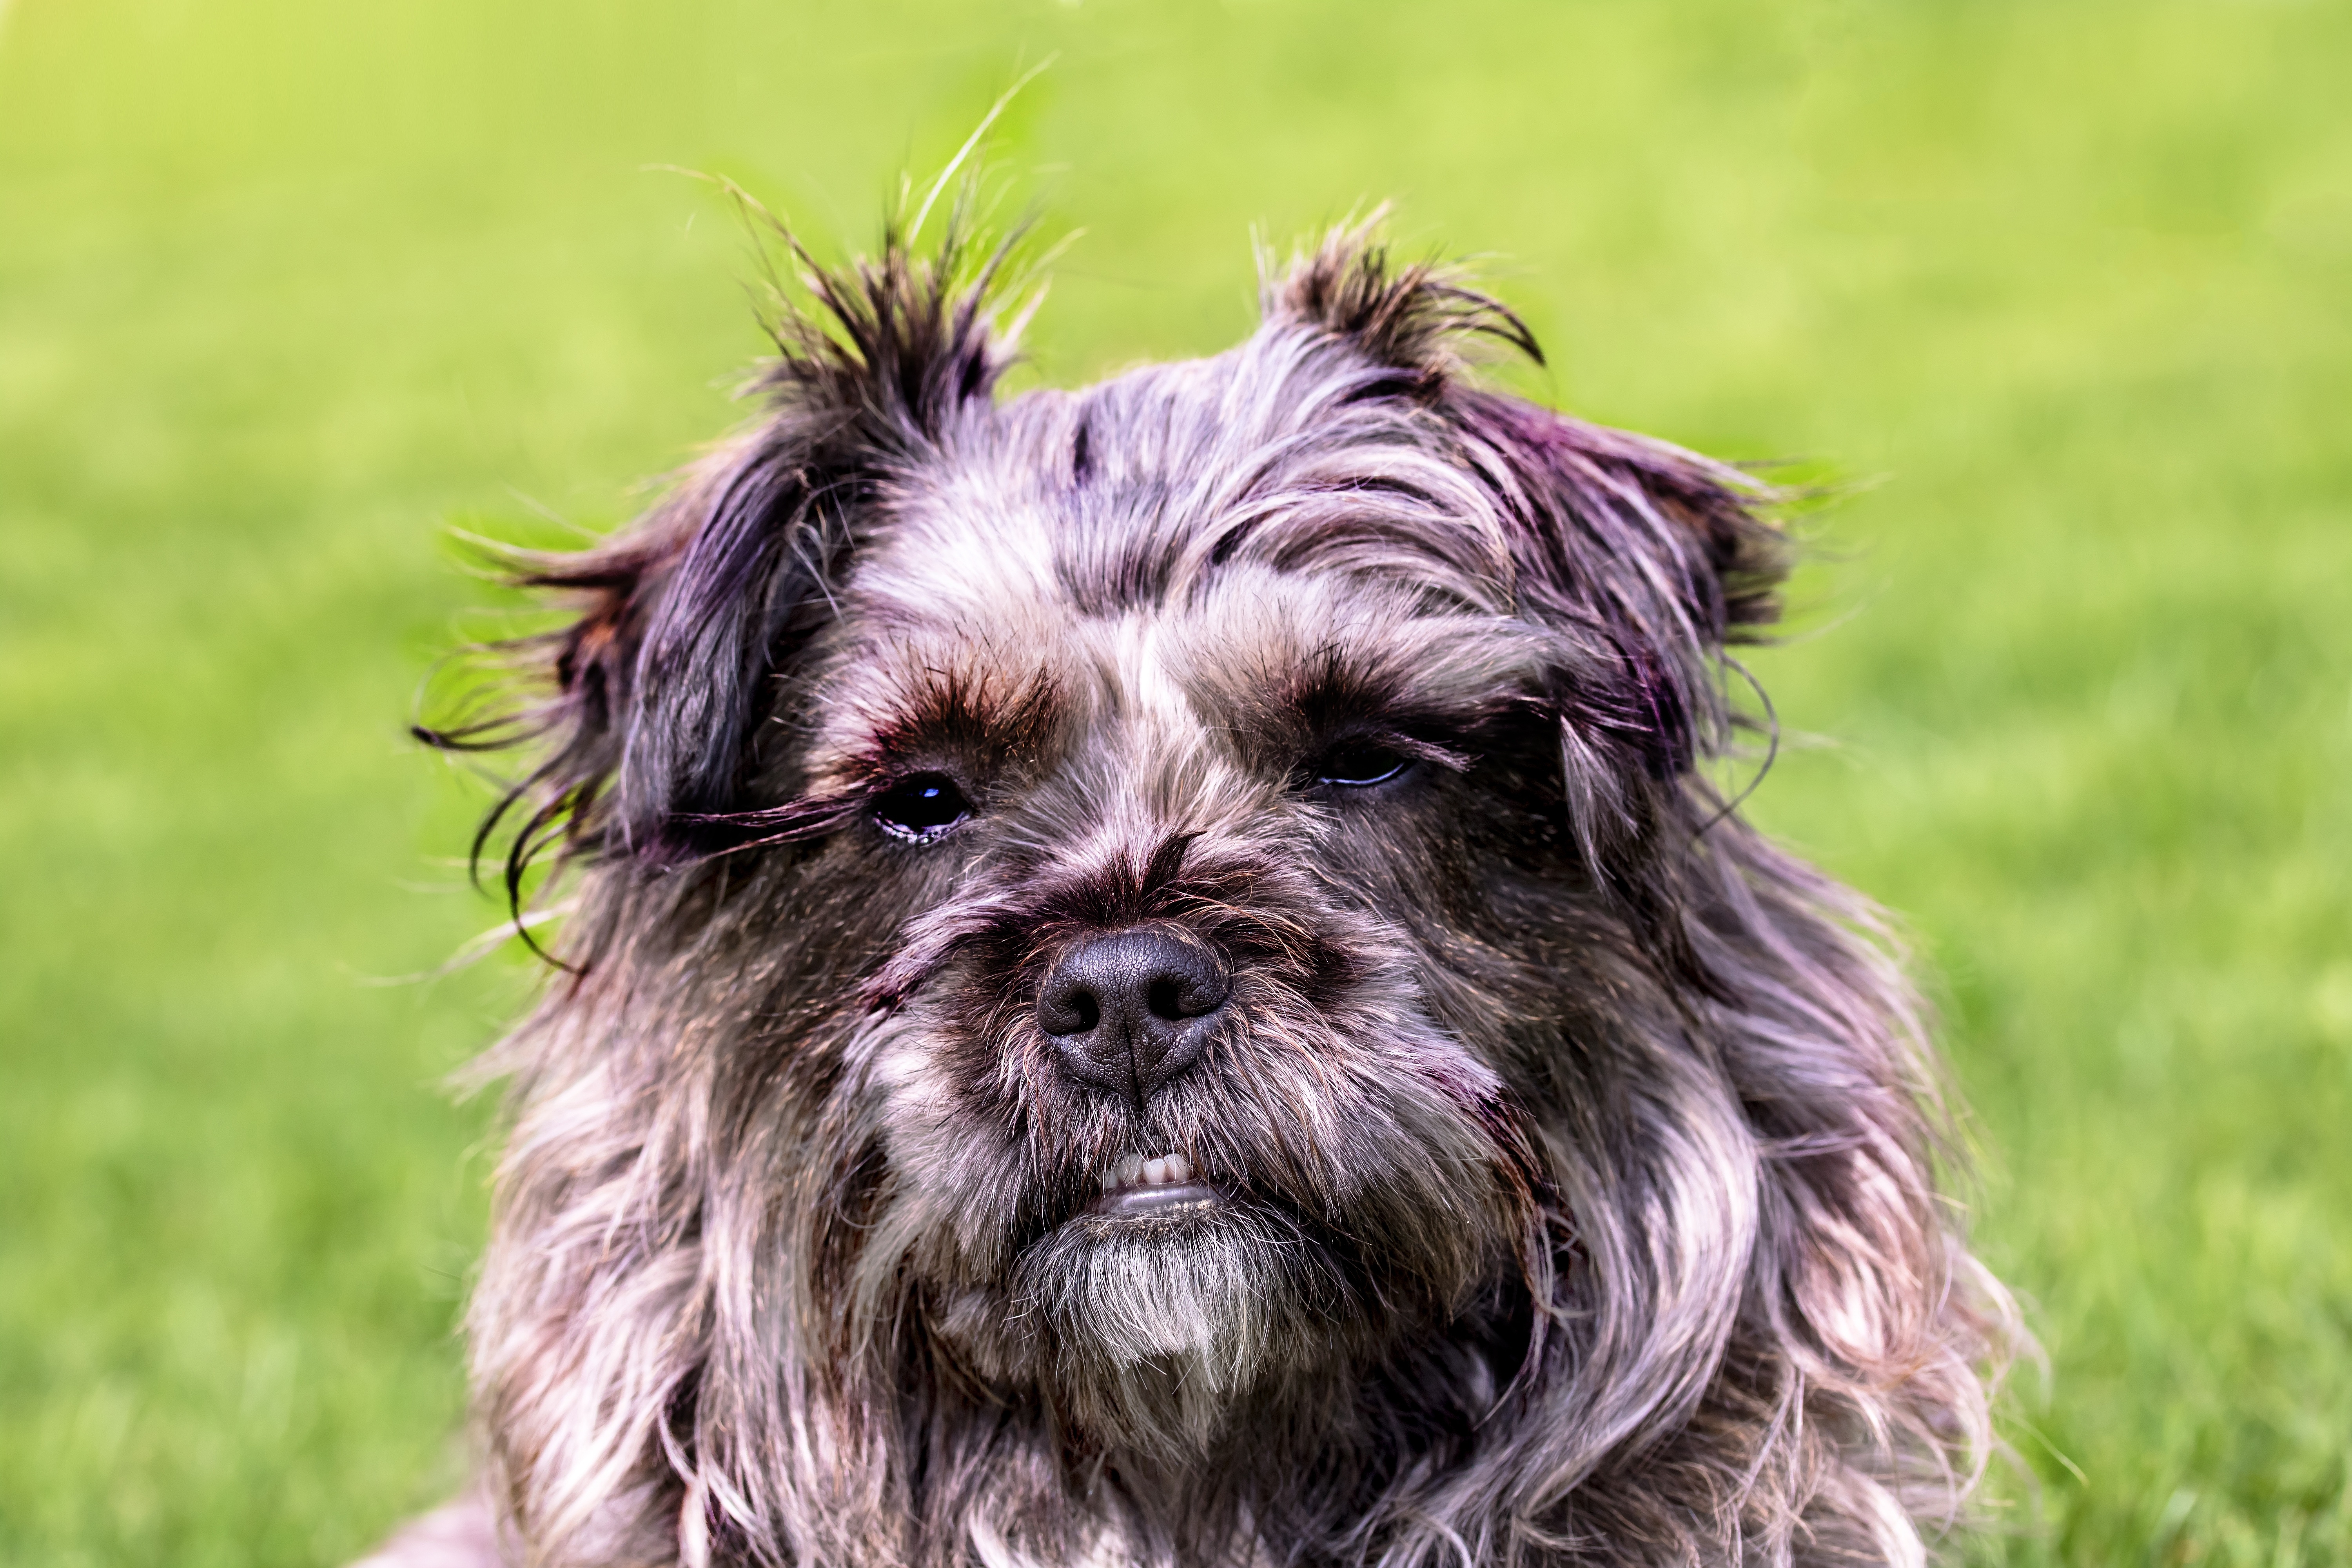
(920, 806)
(1357, 764)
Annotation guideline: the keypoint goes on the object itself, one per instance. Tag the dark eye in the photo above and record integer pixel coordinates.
(1356, 764)
(920, 806)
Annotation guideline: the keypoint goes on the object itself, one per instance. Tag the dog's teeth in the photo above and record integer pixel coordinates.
(1160, 1170)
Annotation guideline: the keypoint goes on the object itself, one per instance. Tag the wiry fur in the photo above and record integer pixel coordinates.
(1585, 1145)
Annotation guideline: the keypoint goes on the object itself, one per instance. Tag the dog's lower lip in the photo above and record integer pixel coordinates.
(1141, 1202)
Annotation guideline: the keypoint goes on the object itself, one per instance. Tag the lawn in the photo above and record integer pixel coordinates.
(2060, 290)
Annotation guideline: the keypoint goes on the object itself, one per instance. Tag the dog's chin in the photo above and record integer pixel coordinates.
(1182, 1271)
(1150, 1315)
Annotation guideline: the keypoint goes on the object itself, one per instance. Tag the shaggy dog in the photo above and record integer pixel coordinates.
(1154, 981)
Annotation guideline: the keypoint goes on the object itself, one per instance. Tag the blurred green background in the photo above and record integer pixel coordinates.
(286, 290)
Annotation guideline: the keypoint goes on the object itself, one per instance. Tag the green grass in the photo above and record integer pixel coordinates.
(286, 289)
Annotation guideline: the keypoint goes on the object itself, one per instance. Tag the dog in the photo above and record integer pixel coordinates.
(1154, 978)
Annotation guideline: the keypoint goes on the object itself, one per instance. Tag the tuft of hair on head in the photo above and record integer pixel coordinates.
(641, 706)
(1415, 317)
(905, 338)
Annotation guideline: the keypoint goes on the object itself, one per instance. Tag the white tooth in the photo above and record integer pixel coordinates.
(1155, 1173)
(1179, 1169)
(1130, 1171)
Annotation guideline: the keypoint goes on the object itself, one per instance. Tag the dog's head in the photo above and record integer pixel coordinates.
(1155, 969)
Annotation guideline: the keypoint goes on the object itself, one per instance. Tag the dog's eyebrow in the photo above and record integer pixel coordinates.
(1335, 685)
(916, 694)
(1323, 665)
(1443, 678)
(957, 707)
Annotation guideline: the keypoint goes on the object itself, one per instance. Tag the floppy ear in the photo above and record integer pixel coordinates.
(745, 588)
(1648, 552)
(584, 672)
(658, 686)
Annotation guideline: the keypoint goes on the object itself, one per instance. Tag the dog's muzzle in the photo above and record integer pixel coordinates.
(1130, 1010)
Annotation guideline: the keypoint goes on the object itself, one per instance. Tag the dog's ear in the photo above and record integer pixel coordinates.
(658, 684)
(1651, 557)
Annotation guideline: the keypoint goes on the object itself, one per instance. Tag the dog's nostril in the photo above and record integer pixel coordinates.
(1067, 1008)
(1160, 997)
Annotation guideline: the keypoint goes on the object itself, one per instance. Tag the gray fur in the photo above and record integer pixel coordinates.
(1582, 1146)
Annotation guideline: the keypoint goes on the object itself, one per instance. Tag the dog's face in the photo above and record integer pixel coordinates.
(1154, 973)
(1210, 899)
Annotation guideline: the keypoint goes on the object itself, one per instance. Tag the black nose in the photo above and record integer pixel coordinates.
(1131, 1010)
